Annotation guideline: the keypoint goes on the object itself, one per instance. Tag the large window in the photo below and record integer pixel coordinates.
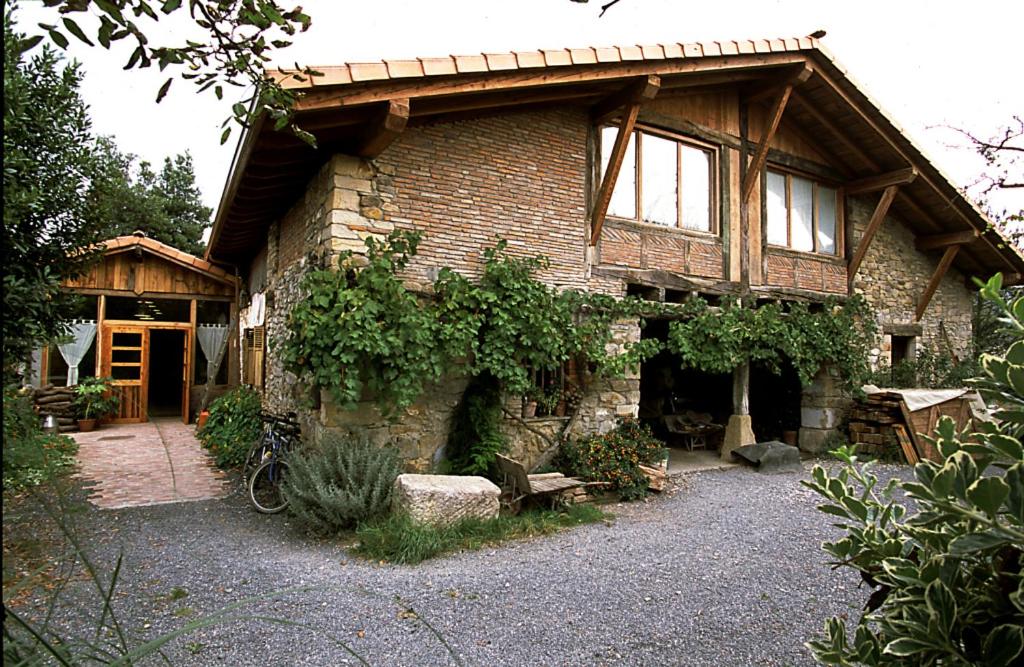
(802, 214)
(663, 181)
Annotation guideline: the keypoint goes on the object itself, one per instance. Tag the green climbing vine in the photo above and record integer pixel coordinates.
(718, 340)
(361, 333)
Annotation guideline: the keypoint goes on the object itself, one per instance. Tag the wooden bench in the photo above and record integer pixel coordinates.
(520, 486)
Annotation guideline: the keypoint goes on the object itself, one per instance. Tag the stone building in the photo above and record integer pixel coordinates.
(722, 169)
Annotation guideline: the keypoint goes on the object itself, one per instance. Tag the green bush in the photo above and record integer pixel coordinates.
(947, 573)
(31, 456)
(233, 426)
(396, 538)
(929, 370)
(343, 481)
(94, 398)
(615, 457)
(475, 437)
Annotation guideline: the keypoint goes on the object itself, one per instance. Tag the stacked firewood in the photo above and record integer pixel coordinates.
(57, 401)
(872, 424)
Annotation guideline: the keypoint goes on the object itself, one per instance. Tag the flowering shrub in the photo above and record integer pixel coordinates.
(234, 424)
(615, 457)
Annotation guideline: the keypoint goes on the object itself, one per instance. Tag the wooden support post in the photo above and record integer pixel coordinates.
(753, 174)
(933, 284)
(385, 128)
(741, 389)
(101, 306)
(942, 240)
(636, 93)
(611, 173)
(876, 221)
(874, 183)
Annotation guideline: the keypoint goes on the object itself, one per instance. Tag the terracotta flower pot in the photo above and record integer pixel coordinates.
(201, 419)
(790, 437)
(86, 425)
(529, 409)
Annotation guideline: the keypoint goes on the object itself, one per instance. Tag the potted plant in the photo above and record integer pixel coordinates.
(529, 406)
(93, 401)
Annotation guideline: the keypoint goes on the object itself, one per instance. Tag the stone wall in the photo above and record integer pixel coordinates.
(894, 275)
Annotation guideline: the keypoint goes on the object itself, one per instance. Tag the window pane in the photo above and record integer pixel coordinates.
(777, 209)
(802, 193)
(659, 180)
(126, 339)
(827, 220)
(696, 189)
(623, 203)
(127, 356)
(126, 372)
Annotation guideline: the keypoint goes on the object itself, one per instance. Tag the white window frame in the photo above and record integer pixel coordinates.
(816, 184)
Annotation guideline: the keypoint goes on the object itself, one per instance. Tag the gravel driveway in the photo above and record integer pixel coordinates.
(724, 570)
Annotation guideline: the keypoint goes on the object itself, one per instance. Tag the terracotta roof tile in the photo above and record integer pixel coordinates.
(500, 61)
(608, 54)
(710, 48)
(777, 45)
(762, 46)
(673, 50)
(631, 53)
(438, 66)
(556, 57)
(792, 43)
(653, 52)
(729, 48)
(398, 69)
(332, 76)
(466, 64)
(745, 46)
(806, 43)
(582, 56)
(527, 59)
(368, 71)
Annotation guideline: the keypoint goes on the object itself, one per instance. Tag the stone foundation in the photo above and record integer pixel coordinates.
(823, 408)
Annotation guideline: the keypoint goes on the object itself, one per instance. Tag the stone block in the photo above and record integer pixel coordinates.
(350, 165)
(344, 199)
(824, 418)
(772, 456)
(347, 218)
(813, 439)
(444, 500)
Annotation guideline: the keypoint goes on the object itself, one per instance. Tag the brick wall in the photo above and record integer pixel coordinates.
(521, 176)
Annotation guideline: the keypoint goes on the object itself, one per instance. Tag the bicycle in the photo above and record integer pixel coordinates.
(266, 467)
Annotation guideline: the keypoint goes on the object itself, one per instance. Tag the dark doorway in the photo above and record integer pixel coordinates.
(166, 372)
(775, 402)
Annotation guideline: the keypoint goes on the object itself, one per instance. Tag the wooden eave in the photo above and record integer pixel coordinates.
(132, 243)
(271, 169)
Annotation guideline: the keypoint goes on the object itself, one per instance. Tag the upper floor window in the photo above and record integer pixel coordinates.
(663, 181)
(802, 214)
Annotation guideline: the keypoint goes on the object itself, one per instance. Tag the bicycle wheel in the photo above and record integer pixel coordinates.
(265, 487)
(257, 453)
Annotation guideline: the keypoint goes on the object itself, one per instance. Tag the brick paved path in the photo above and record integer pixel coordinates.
(147, 464)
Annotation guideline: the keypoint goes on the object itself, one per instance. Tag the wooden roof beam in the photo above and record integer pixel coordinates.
(611, 173)
(942, 240)
(769, 88)
(865, 242)
(385, 128)
(753, 174)
(881, 181)
(933, 284)
(640, 91)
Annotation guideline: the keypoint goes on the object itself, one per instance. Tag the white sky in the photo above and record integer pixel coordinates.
(928, 63)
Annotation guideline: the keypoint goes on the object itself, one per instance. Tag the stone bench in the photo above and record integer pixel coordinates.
(445, 499)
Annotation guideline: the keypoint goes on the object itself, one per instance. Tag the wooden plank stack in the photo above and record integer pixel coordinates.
(872, 423)
(57, 401)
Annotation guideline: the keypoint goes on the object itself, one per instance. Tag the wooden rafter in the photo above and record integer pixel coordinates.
(768, 89)
(881, 181)
(876, 221)
(757, 164)
(942, 240)
(385, 128)
(933, 284)
(611, 174)
(636, 93)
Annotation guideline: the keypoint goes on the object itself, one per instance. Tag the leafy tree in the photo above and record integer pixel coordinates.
(49, 169)
(946, 573)
(166, 205)
(240, 36)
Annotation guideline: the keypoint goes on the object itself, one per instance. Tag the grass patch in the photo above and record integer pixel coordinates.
(398, 539)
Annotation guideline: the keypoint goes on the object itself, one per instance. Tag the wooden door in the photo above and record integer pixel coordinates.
(125, 351)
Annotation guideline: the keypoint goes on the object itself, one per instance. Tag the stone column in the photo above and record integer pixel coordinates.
(822, 408)
(739, 431)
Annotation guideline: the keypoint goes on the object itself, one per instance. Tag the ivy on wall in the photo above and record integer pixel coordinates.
(362, 334)
(717, 340)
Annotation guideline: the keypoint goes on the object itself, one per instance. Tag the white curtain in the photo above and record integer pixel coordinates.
(212, 338)
(82, 333)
